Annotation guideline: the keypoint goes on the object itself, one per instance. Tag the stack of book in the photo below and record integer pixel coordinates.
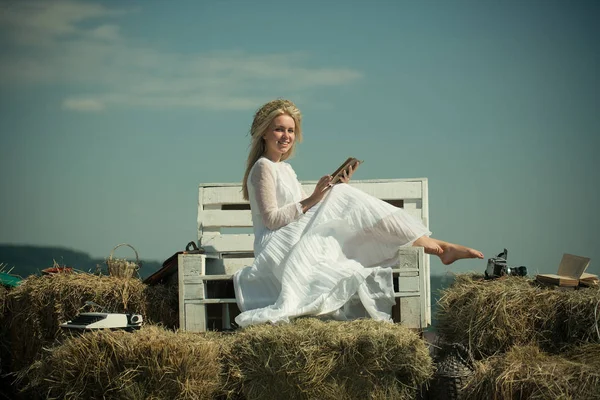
(570, 273)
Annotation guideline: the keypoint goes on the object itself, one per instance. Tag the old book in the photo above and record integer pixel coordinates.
(338, 173)
(570, 271)
(588, 279)
(573, 266)
(556, 280)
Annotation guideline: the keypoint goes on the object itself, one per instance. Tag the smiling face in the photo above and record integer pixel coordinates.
(279, 137)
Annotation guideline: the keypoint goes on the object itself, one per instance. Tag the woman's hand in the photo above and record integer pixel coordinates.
(347, 174)
(320, 190)
(322, 186)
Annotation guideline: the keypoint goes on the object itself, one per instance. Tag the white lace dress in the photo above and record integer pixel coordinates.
(332, 261)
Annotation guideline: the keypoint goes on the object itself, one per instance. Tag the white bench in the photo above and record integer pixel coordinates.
(206, 296)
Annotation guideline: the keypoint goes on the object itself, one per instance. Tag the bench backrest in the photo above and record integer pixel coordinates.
(225, 223)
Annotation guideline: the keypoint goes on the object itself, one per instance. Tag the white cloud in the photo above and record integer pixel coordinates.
(37, 23)
(83, 104)
(105, 32)
(52, 48)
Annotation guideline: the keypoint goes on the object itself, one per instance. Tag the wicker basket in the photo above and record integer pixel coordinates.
(122, 268)
(454, 367)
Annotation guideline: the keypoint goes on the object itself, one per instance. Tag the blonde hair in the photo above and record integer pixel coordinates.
(263, 118)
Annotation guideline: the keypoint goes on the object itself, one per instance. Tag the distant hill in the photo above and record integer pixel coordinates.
(30, 260)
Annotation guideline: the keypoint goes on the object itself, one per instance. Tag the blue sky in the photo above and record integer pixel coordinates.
(111, 114)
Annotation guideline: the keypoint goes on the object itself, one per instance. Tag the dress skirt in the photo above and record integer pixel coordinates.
(334, 262)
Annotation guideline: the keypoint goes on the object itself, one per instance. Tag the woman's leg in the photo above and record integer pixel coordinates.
(447, 252)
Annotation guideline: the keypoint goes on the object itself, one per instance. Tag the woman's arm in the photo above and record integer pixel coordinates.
(263, 182)
(262, 179)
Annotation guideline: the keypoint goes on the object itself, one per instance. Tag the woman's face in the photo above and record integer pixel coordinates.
(279, 137)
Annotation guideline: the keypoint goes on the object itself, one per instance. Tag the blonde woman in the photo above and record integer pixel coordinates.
(314, 253)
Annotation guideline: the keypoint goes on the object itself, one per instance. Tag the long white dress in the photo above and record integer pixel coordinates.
(332, 261)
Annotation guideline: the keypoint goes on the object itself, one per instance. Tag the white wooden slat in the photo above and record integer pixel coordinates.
(394, 180)
(191, 317)
(226, 218)
(393, 189)
(423, 282)
(217, 243)
(408, 283)
(426, 258)
(427, 278)
(408, 258)
(223, 195)
(193, 291)
(195, 317)
(191, 265)
(410, 311)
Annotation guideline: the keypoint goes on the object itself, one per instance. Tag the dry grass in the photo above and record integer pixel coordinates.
(3, 294)
(307, 359)
(162, 305)
(3, 342)
(492, 316)
(40, 304)
(152, 363)
(525, 372)
(311, 359)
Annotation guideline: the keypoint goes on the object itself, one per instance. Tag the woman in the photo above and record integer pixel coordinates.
(326, 254)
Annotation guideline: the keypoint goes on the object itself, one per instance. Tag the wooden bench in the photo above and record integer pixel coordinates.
(206, 295)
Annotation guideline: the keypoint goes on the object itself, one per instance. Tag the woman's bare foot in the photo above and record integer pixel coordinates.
(452, 252)
(430, 245)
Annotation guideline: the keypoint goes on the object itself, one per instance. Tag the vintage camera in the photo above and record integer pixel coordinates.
(497, 267)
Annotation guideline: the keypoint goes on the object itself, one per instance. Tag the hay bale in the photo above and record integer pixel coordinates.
(492, 316)
(162, 305)
(525, 372)
(3, 294)
(309, 358)
(3, 331)
(40, 304)
(152, 363)
(576, 318)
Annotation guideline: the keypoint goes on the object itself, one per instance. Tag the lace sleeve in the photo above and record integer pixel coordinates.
(262, 178)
